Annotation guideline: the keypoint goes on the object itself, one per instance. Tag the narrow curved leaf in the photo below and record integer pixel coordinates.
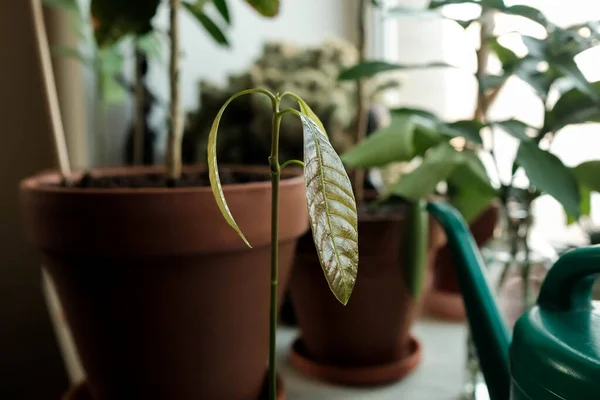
(223, 10)
(547, 173)
(392, 143)
(209, 25)
(468, 129)
(305, 109)
(414, 247)
(332, 211)
(213, 170)
(267, 8)
(368, 69)
(532, 14)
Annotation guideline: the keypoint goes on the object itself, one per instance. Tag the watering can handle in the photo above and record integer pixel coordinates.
(568, 285)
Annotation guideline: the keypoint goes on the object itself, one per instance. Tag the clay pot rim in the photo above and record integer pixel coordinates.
(46, 181)
(358, 376)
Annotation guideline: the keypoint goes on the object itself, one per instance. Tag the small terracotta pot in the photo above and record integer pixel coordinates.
(444, 300)
(164, 299)
(371, 333)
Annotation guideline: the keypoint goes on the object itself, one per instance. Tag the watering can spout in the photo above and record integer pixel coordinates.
(488, 329)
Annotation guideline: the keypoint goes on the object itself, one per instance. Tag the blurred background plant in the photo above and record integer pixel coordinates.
(311, 72)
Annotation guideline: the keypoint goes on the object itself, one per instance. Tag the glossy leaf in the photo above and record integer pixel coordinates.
(547, 173)
(223, 9)
(196, 9)
(332, 211)
(267, 8)
(213, 170)
(528, 12)
(438, 164)
(573, 107)
(389, 144)
(568, 67)
(415, 240)
(513, 127)
(367, 69)
(468, 129)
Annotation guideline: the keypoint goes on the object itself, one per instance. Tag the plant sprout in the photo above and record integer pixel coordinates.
(331, 205)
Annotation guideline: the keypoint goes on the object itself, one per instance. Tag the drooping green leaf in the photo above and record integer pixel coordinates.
(528, 12)
(540, 81)
(537, 47)
(547, 173)
(68, 5)
(513, 127)
(468, 129)
(488, 82)
(573, 107)
(414, 247)
(469, 187)
(507, 57)
(196, 9)
(367, 69)
(267, 8)
(392, 143)
(588, 173)
(223, 10)
(332, 211)
(438, 164)
(441, 3)
(213, 169)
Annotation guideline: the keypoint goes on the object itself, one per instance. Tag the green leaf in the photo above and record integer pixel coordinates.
(332, 211)
(438, 164)
(513, 127)
(528, 12)
(415, 241)
(469, 187)
(568, 67)
(573, 107)
(223, 10)
(540, 81)
(440, 3)
(547, 173)
(368, 69)
(68, 5)
(305, 109)
(389, 144)
(196, 9)
(469, 129)
(150, 45)
(213, 169)
(267, 8)
(588, 174)
(507, 57)
(488, 82)
(112, 91)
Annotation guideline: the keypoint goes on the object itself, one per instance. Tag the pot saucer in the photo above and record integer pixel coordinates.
(356, 376)
(444, 305)
(81, 391)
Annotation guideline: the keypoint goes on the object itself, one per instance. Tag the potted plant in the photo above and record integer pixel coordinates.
(163, 299)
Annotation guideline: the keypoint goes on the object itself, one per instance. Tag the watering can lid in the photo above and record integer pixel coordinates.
(555, 353)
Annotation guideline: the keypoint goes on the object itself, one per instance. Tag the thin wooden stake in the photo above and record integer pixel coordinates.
(58, 131)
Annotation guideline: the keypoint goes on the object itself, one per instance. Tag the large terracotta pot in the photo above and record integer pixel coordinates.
(368, 341)
(164, 300)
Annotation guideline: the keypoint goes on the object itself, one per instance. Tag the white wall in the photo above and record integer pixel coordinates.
(300, 21)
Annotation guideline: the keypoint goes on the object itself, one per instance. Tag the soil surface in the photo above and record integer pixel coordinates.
(157, 180)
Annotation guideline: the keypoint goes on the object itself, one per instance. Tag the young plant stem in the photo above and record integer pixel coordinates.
(275, 178)
(139, 127)
(173, 156)
(361, 112)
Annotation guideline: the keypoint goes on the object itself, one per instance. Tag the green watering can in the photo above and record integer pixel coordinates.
(555, 349)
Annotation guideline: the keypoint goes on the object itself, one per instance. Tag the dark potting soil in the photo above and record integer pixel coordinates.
(158, 180)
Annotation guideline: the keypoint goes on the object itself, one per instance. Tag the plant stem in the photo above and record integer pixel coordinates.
(138, 134)
(361, 112)
(173, 156)
(275, 178)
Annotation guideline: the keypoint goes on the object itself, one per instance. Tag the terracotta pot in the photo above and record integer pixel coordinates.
(164, 300)
(444, 300)
(371, 333)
